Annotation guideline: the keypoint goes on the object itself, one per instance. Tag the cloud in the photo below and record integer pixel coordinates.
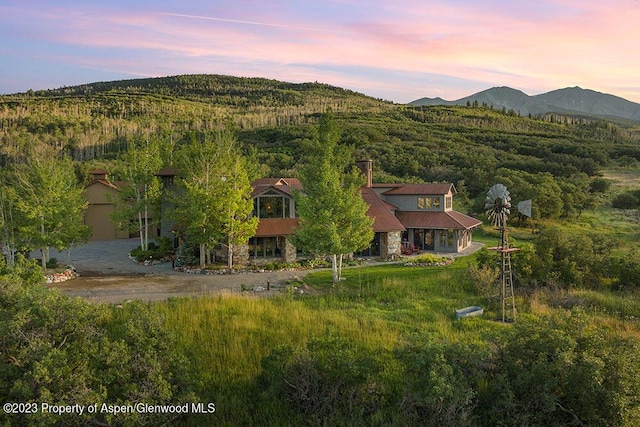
(544, 45)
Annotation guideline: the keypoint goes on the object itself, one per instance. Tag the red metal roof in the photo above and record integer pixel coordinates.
(285, 185)
(270, 227)
(410, 189)
(381, 211)
(437, 220)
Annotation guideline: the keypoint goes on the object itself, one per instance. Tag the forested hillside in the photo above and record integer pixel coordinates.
(382, 347)
(470, 146)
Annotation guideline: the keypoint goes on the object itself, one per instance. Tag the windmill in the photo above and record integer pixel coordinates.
(498, 207)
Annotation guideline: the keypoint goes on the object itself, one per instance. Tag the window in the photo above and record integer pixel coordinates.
(272, 205)
(264, 247)
(447, 202)
(428, 203)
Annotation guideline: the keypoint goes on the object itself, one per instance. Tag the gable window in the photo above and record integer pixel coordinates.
(272, 205)
(447, 202)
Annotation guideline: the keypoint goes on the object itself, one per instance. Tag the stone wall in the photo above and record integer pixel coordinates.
(288, 250)
(390, 244)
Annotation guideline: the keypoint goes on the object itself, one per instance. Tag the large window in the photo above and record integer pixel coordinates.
(429, 203)
(447, 238)
(265, 247)
(272, 205)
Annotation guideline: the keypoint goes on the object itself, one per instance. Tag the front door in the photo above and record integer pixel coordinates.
(429, 239)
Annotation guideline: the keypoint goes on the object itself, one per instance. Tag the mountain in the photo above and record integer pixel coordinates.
(571, 100)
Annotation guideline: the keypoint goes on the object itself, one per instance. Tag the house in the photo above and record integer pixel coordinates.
(407, 217)
(100, 193)
(425, 212)
(273, 203)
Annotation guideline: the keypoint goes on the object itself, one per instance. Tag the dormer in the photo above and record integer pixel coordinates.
(273, 197)
(99, 175)
(422, 197)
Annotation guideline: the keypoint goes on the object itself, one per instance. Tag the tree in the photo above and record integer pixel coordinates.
(7, 224)
(48, 201)
(141, 196)
(333, 215)
(213, 202)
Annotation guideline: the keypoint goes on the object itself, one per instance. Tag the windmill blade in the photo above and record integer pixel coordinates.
(498, 205)
(524, 208)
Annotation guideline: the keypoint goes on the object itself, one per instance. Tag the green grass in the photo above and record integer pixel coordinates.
(375, 308)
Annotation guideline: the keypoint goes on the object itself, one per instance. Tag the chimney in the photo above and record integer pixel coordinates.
(366, 167)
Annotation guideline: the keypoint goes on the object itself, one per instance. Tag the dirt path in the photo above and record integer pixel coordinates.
(108, 275)
(154, 287)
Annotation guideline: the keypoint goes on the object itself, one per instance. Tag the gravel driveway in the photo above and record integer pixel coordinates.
(108, 275)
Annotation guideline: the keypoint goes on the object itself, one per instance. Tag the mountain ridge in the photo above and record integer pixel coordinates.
(569, 100)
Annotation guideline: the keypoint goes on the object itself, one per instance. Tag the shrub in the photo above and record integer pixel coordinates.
(52, 263)
(329, 382)
(441, 382)
(63, 351)
(154, 251)
(563, 370)
(628, 200)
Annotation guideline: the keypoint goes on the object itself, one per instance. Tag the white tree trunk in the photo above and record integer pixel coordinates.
(230, 256)
(203, 254)
(146, 227)
(334, 268)
(141, 232)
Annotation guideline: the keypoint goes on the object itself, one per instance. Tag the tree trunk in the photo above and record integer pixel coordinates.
(203, 253)
(230, 256)
(146, 227)
(45, 257)
(334, 268)
(141, 232)
(44, 251)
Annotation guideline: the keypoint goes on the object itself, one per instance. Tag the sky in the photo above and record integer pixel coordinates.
(394, 50)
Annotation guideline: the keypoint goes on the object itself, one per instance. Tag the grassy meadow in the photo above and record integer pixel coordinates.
(226, 336)
(375, 308)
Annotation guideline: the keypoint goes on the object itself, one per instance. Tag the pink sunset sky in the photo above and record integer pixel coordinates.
(399, 51)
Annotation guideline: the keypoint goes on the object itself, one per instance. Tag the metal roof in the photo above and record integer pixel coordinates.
(419, 189)
(381, 211)
(270, 227)
(437, 220)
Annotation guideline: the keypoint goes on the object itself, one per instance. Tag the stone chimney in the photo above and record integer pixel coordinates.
(366, 167)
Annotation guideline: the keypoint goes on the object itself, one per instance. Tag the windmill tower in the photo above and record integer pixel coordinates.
(498, 207)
